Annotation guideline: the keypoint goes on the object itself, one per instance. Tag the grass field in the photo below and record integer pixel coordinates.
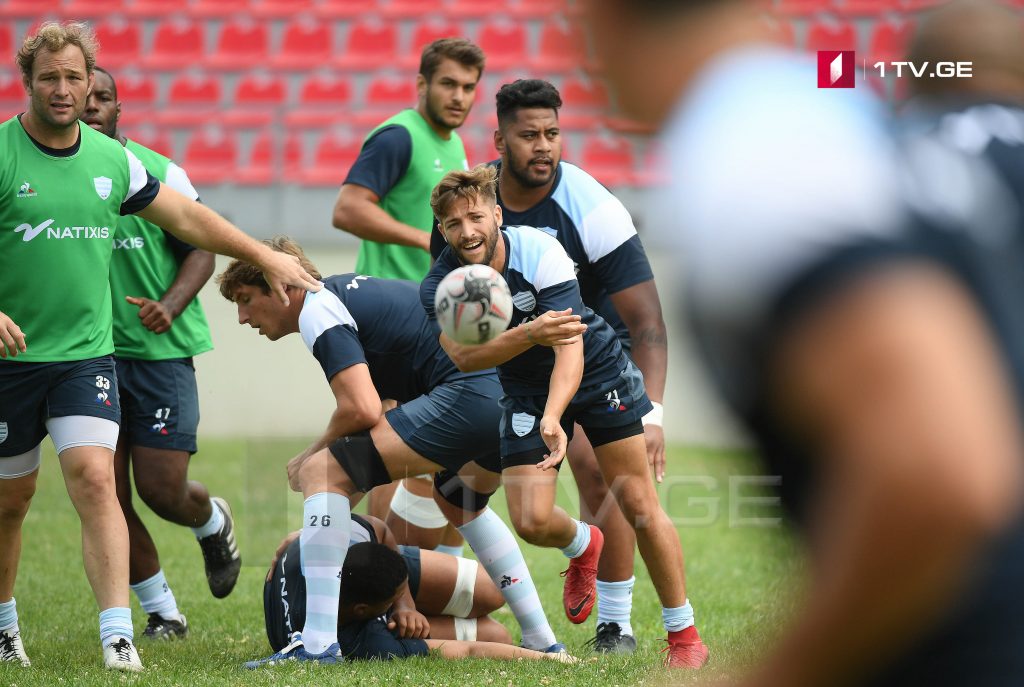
(741, 568)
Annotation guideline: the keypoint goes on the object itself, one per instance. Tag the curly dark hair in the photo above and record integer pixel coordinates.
(526, 93)
(372, 574)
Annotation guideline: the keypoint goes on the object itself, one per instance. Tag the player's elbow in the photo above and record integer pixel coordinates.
(465, 362)
(342, 216)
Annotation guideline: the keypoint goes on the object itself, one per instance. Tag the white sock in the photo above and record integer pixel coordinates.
(9, 615)
(678, 618)
(615, 603)
(580, 542)
(213, 525)
(497, 550)
(326, 529)
(155, 596)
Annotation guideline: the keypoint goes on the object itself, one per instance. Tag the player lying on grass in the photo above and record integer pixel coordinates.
(449, 597)
(590, 381)
(376, 615)
(373, 341)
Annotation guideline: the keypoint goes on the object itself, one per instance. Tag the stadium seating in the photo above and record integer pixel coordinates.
(470, 9)
(335, 153)
(257, 99)
(323, 100)
(370, 44)
(260, 166)
(609, 160)
(153, 8)
(176, 42)
(152, 138)
(90, 9)
(584, 103)
(304, 42)
(868, 8)
(504, 43)
(210, 156)
(120, 43)
(137, 93)
(535, 9)
(193, 99)
(219, 8)
(344, 9)
(385, 96)
(29, 8)
(278, 9)
(802, 7)
(562, 48)
(411, 9)
(12, 95)
(241, 44)
(831, 36)
(889, 41)
(425, 33)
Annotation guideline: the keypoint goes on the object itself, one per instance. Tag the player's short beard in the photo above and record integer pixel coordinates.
(434, 116)
(522, 176)
(492, 244)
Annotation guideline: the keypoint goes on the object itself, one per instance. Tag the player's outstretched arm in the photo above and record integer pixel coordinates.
(454, 648)
(553, 328)
(12, 339)
(200, 226)
(565, 380)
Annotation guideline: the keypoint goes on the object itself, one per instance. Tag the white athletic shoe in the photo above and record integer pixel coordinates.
(120, 654)
(11, 648)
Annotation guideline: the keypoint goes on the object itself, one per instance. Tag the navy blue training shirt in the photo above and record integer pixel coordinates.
(383, 160)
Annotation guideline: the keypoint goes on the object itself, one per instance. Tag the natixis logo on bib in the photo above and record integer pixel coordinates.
(103, 186)
(28, 232)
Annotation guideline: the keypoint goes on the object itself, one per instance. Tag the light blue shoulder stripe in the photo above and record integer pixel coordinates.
(578, 193)
(527, 247)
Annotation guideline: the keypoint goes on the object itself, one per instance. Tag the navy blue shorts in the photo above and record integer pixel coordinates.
(453, 423)
(606, 412)
(160, 403)
(35, 392)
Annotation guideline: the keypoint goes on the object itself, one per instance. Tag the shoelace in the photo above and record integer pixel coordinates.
(123, 648)
(7, 645)
(605, 632)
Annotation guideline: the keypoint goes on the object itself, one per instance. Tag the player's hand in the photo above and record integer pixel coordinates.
(285, 543)
(654, 436)
(155, 316)
(555, 439)
(411, 624)
(555, 328)
(12, 339)
(281, 270)
(294, 466)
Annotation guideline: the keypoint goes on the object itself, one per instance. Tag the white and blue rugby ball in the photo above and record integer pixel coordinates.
(473, 304)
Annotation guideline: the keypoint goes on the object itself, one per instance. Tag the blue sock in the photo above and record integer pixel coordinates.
(326, 529)
(8, 615)
(155, 596)
(116, 622)
(615, 603)
(450, 550)
(497, 550)
(677, 619)
(212, 526)
(580, 542)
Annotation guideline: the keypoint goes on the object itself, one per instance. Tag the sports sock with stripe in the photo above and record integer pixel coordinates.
(326, 529)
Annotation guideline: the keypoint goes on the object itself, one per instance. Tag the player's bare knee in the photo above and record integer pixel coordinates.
(487, 599)
(14, 503)
(638, 505)
(92, 483)
(531, 529)
(490, 630)
(162, 500)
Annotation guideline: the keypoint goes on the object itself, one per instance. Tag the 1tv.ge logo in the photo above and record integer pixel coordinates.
(838, 69)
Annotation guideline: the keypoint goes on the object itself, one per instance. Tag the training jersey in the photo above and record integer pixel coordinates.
(596, 231)
(402, 161)
(58, 213)
(284, 609)
(781, 194)
(541, 277)
(145, 263)
(358, 319)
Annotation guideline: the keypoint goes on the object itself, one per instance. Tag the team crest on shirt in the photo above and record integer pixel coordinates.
(3, 432)
(522, 423)
(524, 301)
(26, 190)
(103, 186)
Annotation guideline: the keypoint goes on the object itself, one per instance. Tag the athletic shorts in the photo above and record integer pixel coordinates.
(606, 412)
(284, 596)
(453, 423)
(159, 403)
(32, 393)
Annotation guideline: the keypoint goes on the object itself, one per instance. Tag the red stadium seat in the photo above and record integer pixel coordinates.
(210, 156)
(192, 100)
(294, 157)
(471, 9)
(425, 33)
(277, 9)
(918, 5)
(370, 45)
(504, 43)
(13, 98)
(411, 9)
(583, 104)
(323, 101)
(219, 8)
(258, 98)
(154, 139)
(831, 36)
(7, 39)
(781, 30)
(868, 8)
(335, 153)
(242, 43)
(535, 9)
(653, 170)
(153, 8)
(610, 161)
(344, 9)
(120, 44)
(889, 42)
(304, 45)
(29, 8)
(385, 96)
(802, 7)
(562, 48)
(137, 94)
(260, 167)
(175, 43)
(91, 8)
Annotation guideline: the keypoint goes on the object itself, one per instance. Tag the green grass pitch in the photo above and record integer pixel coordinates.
(742, 568)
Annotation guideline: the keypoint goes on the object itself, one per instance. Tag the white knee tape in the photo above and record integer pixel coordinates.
(417, 510)
(465, 629)
(26, 463)
(461, 603)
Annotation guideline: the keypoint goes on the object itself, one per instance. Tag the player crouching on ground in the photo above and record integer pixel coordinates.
(382, 586)
(547, 389)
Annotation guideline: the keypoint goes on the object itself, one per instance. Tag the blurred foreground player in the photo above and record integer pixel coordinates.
(159, 325)
(875, 357)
